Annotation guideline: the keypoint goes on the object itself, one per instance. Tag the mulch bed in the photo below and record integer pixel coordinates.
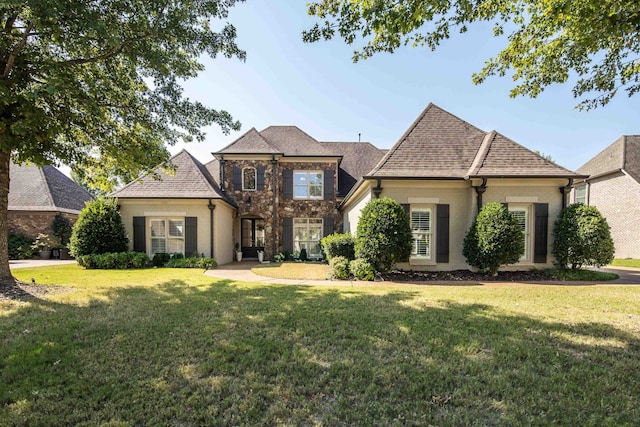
(465, 276)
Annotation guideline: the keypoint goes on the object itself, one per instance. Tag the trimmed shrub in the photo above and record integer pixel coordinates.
(582, 237)
(339, 268)
(384, 234)
(362, 269)
(62, 229)
(303, 255)
(193, 262)
(337, 244)
(161, 259)
(177, 255)
(20, 246)
(114, 261)
(494, 239)
(98, 230)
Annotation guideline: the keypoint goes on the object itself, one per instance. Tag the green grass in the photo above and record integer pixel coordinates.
(174, 347)
(582, 275)
(293, 270)
(627, 262)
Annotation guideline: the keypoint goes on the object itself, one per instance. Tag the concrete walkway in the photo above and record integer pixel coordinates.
(28, 263)
(241, 272)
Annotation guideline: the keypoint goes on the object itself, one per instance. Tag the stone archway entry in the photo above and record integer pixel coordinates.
(252, 237)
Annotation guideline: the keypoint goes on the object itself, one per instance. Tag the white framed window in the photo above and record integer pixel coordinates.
(422, 231)
(581, 194)
(307, 184)
(521, 214)
(307, 233)
(167, 235)
(249, 178)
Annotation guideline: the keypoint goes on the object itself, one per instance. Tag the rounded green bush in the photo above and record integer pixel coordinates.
(582, 237)
(337, 244)
(384, 234)
(98, 230)
(494, 239)
(362, 269)
(339, 268)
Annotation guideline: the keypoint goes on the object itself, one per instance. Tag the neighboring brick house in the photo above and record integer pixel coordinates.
(287, 187)
(443, 169)
(613, 186)
(37, 195)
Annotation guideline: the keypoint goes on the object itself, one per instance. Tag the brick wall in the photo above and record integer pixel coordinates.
(32, 223)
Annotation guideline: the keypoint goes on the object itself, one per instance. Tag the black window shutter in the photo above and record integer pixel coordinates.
(287, 234)
(287, 183)
(442, 233)
(407, 209)
(328, 184)
(506, 205)
(237, 178)
(139, 234)
(191, 236)
(260, 178)
(328, 226)
(541, 232)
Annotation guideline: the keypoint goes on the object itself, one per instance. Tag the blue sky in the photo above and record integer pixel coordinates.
(318, 88)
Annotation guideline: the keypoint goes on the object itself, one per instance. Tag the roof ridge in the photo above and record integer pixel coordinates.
(47, 184)
(534, 153)
(146, 174)
(481, 154)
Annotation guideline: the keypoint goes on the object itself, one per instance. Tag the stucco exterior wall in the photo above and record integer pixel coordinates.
(351, 215)
(180, 208)
(617, 197)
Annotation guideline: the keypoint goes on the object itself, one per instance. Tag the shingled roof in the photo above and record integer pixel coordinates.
(283, 140)
(358, 158)
(623, 154)
(33, 188)
(190, 181)
(441, 145)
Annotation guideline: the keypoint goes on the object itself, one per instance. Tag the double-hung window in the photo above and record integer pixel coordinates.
(249, 178)
(167, 235)
(521, 214)
(307, 184)
(581, 194)
(422, 231)
(307, 233)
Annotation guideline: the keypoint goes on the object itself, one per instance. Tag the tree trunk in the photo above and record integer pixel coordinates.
(6, 279)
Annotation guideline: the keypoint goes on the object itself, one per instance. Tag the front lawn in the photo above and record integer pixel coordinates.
(293, 270)
(627, 262)
(174, 347)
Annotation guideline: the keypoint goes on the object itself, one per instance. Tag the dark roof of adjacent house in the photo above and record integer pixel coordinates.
(442, 146)
(623, 154)
(358, 158)
(283, 140)
(191, 180)
(44, 189)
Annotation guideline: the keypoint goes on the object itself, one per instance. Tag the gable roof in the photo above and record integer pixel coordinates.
(623, 154)
(44, 189)
(358, 158)
(190, 181)
(439, 145)
(282, 140)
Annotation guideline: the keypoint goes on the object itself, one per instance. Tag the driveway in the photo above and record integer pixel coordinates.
(628, 275)
(27, 263)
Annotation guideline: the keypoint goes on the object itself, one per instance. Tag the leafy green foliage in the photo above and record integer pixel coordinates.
(160, 259)
(337, 244)
(384, 234)
(303, 255)
(98, 230)
(114, 261)
(494, 239)
(362, 269)
(582, 237)
(62, 229)
(20, 246)
(548, 41)
(339, 268)
(193, 262)
(44, 242)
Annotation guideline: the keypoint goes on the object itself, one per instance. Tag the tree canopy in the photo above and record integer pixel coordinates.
(96, 84)
(548, 41)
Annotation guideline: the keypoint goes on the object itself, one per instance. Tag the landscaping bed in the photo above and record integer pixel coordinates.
(467, 276)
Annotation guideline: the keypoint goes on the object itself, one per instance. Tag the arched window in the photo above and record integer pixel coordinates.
(249, 178)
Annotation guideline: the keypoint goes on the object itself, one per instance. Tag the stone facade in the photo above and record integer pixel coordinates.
(270, 203)
(32, 223)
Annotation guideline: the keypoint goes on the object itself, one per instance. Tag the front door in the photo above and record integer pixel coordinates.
(252, 237)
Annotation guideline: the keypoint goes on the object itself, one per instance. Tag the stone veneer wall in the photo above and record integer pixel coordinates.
(262, 201)
(32, 223)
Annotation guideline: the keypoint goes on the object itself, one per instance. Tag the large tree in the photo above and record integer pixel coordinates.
(96, 84)
(548, 40)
